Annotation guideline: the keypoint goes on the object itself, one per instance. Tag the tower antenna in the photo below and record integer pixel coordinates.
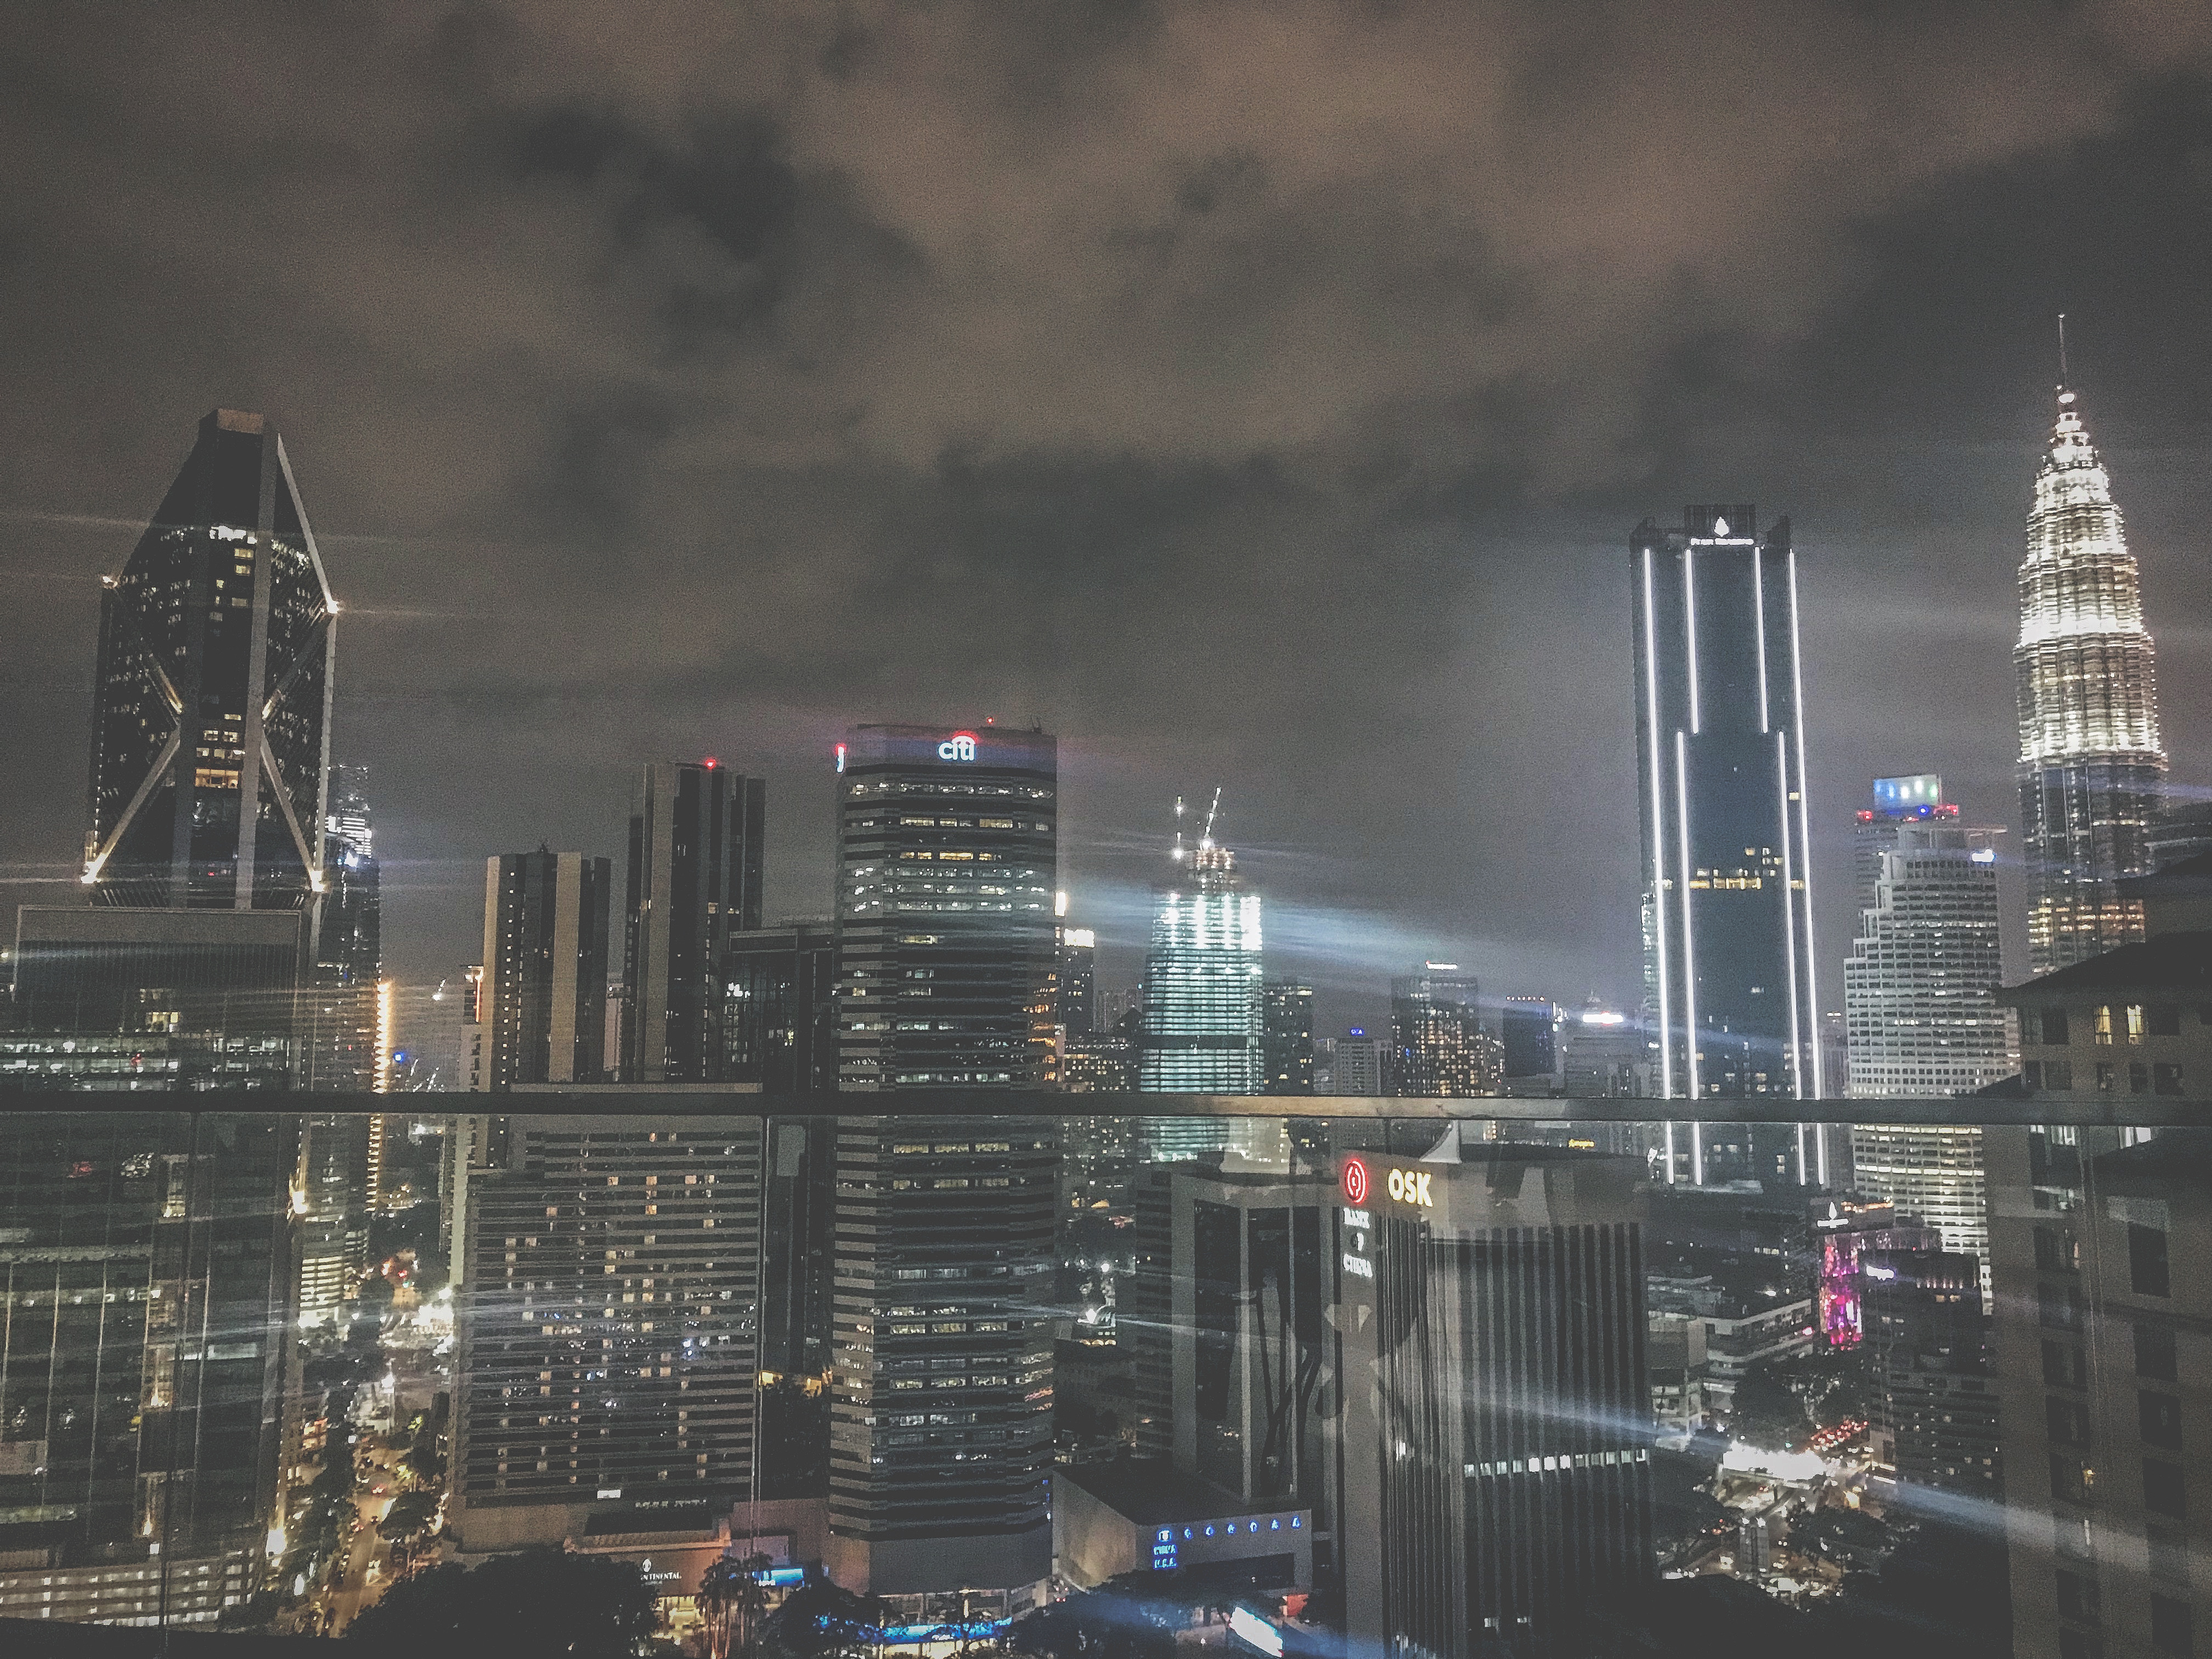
(1178, 840)
(2064, 379)
(1210, 813)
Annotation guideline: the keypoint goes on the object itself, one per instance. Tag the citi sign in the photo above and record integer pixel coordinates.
(1404, 1186)
(960, 746)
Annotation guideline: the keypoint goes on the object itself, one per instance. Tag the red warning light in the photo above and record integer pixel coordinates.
(710, 763)
(1355, 1180)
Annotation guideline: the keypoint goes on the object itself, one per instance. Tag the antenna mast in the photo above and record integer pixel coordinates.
(2064, 379)
(1210, 813)
(1178, 854)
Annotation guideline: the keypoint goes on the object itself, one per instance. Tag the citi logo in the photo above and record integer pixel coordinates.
(960, 746)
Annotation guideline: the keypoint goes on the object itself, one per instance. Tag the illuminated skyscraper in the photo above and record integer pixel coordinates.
(543, 997)
(1437, 1045)
(1721, 756)
(946, 850)
(1288, 1047)
(1205, 1022)
(217, 640)
(343, 1000)
(2091, 769)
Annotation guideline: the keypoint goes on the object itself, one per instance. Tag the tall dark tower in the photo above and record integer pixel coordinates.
(695, 828)
(211, 715)
(2092, 771)
(1721, 754)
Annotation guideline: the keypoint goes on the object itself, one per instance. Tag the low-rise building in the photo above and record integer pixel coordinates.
(1109, 1519)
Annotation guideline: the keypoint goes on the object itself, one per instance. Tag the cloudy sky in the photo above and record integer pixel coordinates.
(1259, 395)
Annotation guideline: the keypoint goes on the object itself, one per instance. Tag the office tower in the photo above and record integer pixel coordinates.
(1227, 1327)
(1357, 1064)
(946, 850)
(1603, 1055)
(2103, 1344)
(1205, 1020)
(696, 832)
(1935, 1420)
(1075, 980)
(1528, 1030)
(2092, 772)
(1900, 804)
(1287, 1039)
(544, 994)
(114, 998)
(1920, 983)
(1721, 759)
(1104, 1062)
(217, 640)
(780, 1009)
(1437, 1045)
(1490, 1331)
(148, 1274)
(941, 1396)
(608, 1325)
(344, 1042)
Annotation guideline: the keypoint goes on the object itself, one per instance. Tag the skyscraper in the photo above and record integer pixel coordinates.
(343, 1038)
(2092, 771)
(1205, 1022)
(779, 1008)
(1529, 1028)
(695, 829)
(1721, 757)
(1075, 980)
(946, 853)
(612, 1323)
(1490, 1333)
(543, 997)
(1438, 1045)
(1288, 1045)
(1921, 982)
(210, 710)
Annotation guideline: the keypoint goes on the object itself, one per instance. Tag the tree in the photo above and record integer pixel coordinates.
(538, 1603)
(731, 1597)
(823, 1620)
(407, 1515)
(1767, 1412)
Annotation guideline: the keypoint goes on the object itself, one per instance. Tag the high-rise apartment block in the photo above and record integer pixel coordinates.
(1721, 756)
(2102, 1342)
(609, 1324)
(2092, 769)
(947, 851)
(543, 997)
(696, 833)
(1438, 1046)
(1204, 1021)
(217, 640)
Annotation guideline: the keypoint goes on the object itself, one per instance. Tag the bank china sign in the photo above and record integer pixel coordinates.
(1403, 1186)
(960, 746)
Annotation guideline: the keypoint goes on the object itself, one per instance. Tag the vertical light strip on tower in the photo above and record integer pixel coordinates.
(1759, 607)
(1690, 628)
(1658, 848)
(1805, 843)
(1689, 938)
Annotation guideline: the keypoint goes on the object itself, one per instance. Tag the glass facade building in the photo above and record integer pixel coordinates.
(1721, 762)
(217, 641)
(1205, 1020)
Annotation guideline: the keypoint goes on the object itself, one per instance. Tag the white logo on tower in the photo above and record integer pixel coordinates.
(961, 746)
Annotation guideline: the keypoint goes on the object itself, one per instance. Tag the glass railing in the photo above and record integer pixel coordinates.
(720, 1373)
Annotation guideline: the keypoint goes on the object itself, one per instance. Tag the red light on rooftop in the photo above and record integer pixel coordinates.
(710, 763)
(1866, 817)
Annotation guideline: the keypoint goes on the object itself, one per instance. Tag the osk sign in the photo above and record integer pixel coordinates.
(1404, 1186)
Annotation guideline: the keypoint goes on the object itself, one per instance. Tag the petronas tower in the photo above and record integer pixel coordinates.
(2091, 770)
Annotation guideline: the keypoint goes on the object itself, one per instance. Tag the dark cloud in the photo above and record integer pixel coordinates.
(1257, 394)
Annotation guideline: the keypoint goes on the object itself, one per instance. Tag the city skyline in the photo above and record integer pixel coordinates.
(559, 578)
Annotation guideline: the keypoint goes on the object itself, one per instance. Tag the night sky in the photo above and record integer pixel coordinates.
(1257, 395)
